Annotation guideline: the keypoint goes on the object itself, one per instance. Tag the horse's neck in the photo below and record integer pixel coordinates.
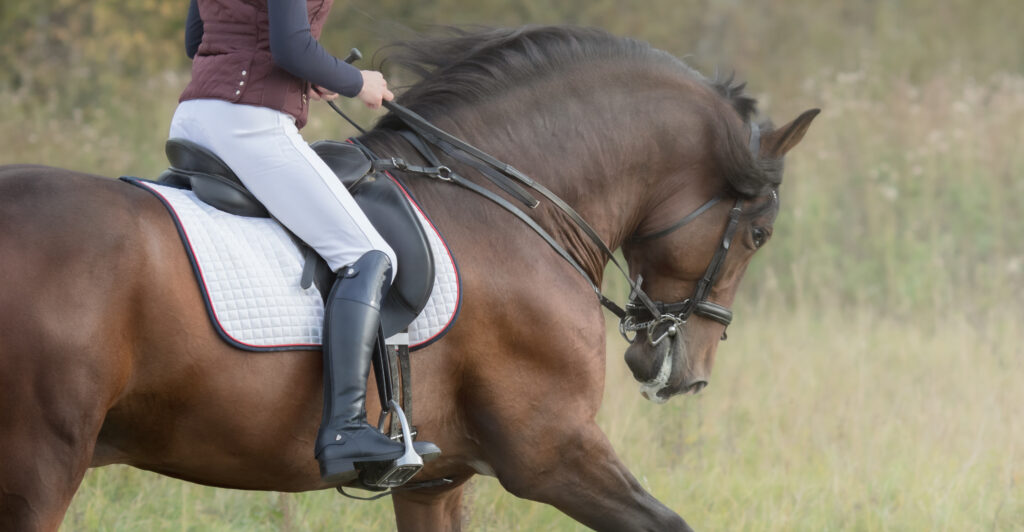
(570, 149)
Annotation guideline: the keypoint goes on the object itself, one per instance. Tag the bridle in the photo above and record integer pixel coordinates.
(639, 316)
(649, 315)
(641, 312)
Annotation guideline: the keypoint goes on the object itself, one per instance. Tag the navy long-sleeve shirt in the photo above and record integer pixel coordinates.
(292, 47)
(193, 30)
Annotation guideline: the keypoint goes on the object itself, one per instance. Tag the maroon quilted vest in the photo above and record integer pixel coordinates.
(233, 62)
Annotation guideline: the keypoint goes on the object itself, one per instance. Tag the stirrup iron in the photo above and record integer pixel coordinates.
(402, 468)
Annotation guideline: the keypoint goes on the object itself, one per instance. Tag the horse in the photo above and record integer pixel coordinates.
(109, 358)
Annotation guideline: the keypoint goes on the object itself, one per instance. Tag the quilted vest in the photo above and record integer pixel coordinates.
(233, 62)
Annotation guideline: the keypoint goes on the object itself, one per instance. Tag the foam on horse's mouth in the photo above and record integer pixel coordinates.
(649, 390)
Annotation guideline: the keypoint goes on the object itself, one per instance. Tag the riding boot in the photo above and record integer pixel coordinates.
(350, 332)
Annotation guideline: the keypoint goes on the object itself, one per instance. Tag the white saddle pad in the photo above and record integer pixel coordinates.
(249, 270)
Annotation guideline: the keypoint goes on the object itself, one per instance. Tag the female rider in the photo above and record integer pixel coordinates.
(256, 64)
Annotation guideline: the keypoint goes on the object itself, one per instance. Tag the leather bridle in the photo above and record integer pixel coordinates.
(638, 316)
(641, 312)
(650, 315)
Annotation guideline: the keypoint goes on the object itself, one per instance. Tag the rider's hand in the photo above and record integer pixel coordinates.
(317, 92)
(375, 89)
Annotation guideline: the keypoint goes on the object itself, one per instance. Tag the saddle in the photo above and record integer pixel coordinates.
(381, 199)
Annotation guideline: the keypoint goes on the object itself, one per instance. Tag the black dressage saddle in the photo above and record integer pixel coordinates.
(381, 199)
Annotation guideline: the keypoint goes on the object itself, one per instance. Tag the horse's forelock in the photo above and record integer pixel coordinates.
(748, 174)
(732, 90)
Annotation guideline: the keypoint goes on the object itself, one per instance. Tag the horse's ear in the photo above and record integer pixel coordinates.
(780, 141)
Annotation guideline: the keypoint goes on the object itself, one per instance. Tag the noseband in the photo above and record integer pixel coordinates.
(639, 315)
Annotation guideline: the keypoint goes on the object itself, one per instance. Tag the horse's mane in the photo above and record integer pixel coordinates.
(464, 66)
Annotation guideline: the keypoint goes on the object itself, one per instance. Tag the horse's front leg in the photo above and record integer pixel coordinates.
(578, 472)
(536, 429)
(430, 510)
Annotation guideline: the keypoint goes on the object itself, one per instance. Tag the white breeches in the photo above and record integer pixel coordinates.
(265, 150)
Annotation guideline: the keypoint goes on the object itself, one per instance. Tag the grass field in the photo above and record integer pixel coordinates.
(830, 418)
(874, 378)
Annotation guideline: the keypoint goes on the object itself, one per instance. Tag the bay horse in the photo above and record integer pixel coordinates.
(107, 355)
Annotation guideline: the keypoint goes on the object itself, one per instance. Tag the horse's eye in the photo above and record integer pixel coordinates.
(759, 235)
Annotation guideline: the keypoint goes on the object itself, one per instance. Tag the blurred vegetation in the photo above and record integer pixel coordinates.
(820, 419)
(90, 52)
(902, 212)
(902, 195)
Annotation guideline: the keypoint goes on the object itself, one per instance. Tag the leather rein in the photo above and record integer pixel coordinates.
(641, 311)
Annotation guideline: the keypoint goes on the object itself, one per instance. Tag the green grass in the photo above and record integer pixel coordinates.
(822, 419)
(830, 420)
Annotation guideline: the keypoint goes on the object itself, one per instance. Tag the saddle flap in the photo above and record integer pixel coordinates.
(393, 216)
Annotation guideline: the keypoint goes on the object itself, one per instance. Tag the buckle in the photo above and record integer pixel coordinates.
(443, 173)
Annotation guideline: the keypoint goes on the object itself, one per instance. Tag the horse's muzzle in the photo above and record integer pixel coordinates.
(647, 361)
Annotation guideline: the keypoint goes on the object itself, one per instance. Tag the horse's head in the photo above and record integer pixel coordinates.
(649, 143)
(691, 251)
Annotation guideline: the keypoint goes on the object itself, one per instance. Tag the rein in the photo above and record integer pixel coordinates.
(640, 306)
(505, 176)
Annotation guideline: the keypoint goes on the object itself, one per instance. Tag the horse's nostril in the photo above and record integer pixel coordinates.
(696, 387)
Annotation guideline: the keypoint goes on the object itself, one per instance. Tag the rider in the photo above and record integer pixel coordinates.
(255, 66)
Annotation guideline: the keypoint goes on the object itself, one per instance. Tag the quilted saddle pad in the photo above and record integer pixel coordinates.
(249, 270)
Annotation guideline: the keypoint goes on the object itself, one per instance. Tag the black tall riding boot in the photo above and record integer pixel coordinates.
(350, 332)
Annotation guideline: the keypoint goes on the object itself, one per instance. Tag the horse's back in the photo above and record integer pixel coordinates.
(68, 241)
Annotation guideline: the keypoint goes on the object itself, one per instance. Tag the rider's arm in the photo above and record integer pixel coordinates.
(193, 30)
(294, 49)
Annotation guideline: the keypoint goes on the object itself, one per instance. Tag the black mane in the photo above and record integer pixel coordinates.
(463, 66)
(733, 91)
(471, 66)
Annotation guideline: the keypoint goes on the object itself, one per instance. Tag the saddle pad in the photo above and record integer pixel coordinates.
(249, 271)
